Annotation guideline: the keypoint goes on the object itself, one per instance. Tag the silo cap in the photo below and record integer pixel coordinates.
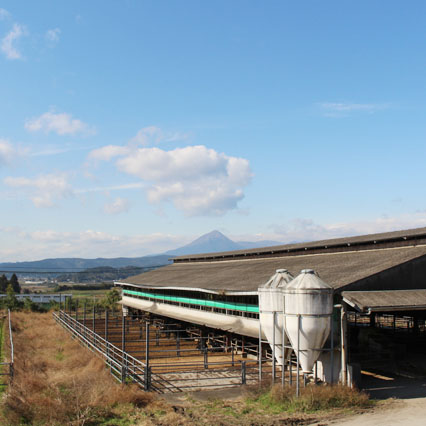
(308, 271)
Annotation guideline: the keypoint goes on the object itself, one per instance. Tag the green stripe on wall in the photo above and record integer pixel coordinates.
(209, 303)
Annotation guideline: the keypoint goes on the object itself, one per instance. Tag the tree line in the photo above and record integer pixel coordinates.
(13, 283)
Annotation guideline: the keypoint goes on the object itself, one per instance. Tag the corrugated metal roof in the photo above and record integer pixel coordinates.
(386, 300)
(396, 238)
(336, 269)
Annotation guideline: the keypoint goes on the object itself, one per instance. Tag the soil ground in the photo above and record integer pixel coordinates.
(403, 402)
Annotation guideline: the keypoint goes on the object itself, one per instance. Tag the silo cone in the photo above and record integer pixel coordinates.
(307, 295)
(271, 300)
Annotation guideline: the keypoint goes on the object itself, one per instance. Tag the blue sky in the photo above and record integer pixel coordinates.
(129, 128)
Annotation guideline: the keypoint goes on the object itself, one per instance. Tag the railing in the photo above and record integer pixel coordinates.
(165, 368)
(122, 365)
(9, 364)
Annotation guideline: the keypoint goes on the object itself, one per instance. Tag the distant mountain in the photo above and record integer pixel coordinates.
(77, 264)
(212, 242)
(215, 241)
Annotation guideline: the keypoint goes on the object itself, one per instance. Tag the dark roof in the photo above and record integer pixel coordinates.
(336, 269)
(387, 300)
(363, 242)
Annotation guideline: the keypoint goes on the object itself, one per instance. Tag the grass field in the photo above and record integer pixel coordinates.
(59, 382)
(84, 294)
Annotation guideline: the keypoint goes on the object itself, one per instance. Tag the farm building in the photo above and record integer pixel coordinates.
(375, 276)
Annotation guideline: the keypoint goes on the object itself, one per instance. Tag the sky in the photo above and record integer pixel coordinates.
(130, 128)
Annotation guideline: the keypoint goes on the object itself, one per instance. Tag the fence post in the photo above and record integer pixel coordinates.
(84, 318)
(94, 323)
(147, 345)
(206, 360)
(123, 334)
(178, 343)
(123, 368)
(243, 373)
(147, 377)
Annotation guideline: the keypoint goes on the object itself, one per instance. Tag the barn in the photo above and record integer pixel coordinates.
(380, 279)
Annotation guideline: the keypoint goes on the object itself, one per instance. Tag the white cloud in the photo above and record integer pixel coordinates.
(309, 230)
(108, 152)
(39, 244)
(52, 36)
(153, 135)
(7, 152)
(8, 42)
(44, 190)
(133, 185)
(59, 123)
(119, 205)
(195, 179)
(4, 14)
(339, 109)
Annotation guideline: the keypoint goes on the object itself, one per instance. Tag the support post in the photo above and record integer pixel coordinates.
(178, 343)
(283, 347)
(206, 360)
(243, 373)
(84, 318)
(232, 354)
(76, 310)
(147, 374)
(147, 345)
(332, 348)
(123, 334)
(259, 355)
(94, 319)
(343, 329)
(298, 356)
(273, 347)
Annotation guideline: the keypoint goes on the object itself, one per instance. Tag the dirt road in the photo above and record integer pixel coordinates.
(409, 407)
(408, 412)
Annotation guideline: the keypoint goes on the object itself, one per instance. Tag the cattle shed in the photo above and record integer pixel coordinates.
(380, 279)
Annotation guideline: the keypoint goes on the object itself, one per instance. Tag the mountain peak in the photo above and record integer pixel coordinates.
(213, 241)
(212, 236)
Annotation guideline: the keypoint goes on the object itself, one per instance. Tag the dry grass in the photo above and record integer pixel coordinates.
(312, 398)
(59, 382)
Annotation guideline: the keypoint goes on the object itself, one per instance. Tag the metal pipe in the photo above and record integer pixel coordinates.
(273, 346)
(123, 334)
(298, 354)
(260, 352)
(332, 348)
(343, 329)
(283, 348)
(147, 345)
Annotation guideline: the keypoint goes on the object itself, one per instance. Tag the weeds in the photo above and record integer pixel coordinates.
(53, 389)
(312, 399)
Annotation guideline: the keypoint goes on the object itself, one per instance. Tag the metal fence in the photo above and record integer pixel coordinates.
(170, 364)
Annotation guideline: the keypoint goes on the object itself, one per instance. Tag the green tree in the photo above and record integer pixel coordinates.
(111, 298)
(3, 283)
(29, 305)
(11, 301)
(15, 284)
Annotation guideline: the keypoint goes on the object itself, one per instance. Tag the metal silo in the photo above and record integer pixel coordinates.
(308, 306)
(270, 311)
